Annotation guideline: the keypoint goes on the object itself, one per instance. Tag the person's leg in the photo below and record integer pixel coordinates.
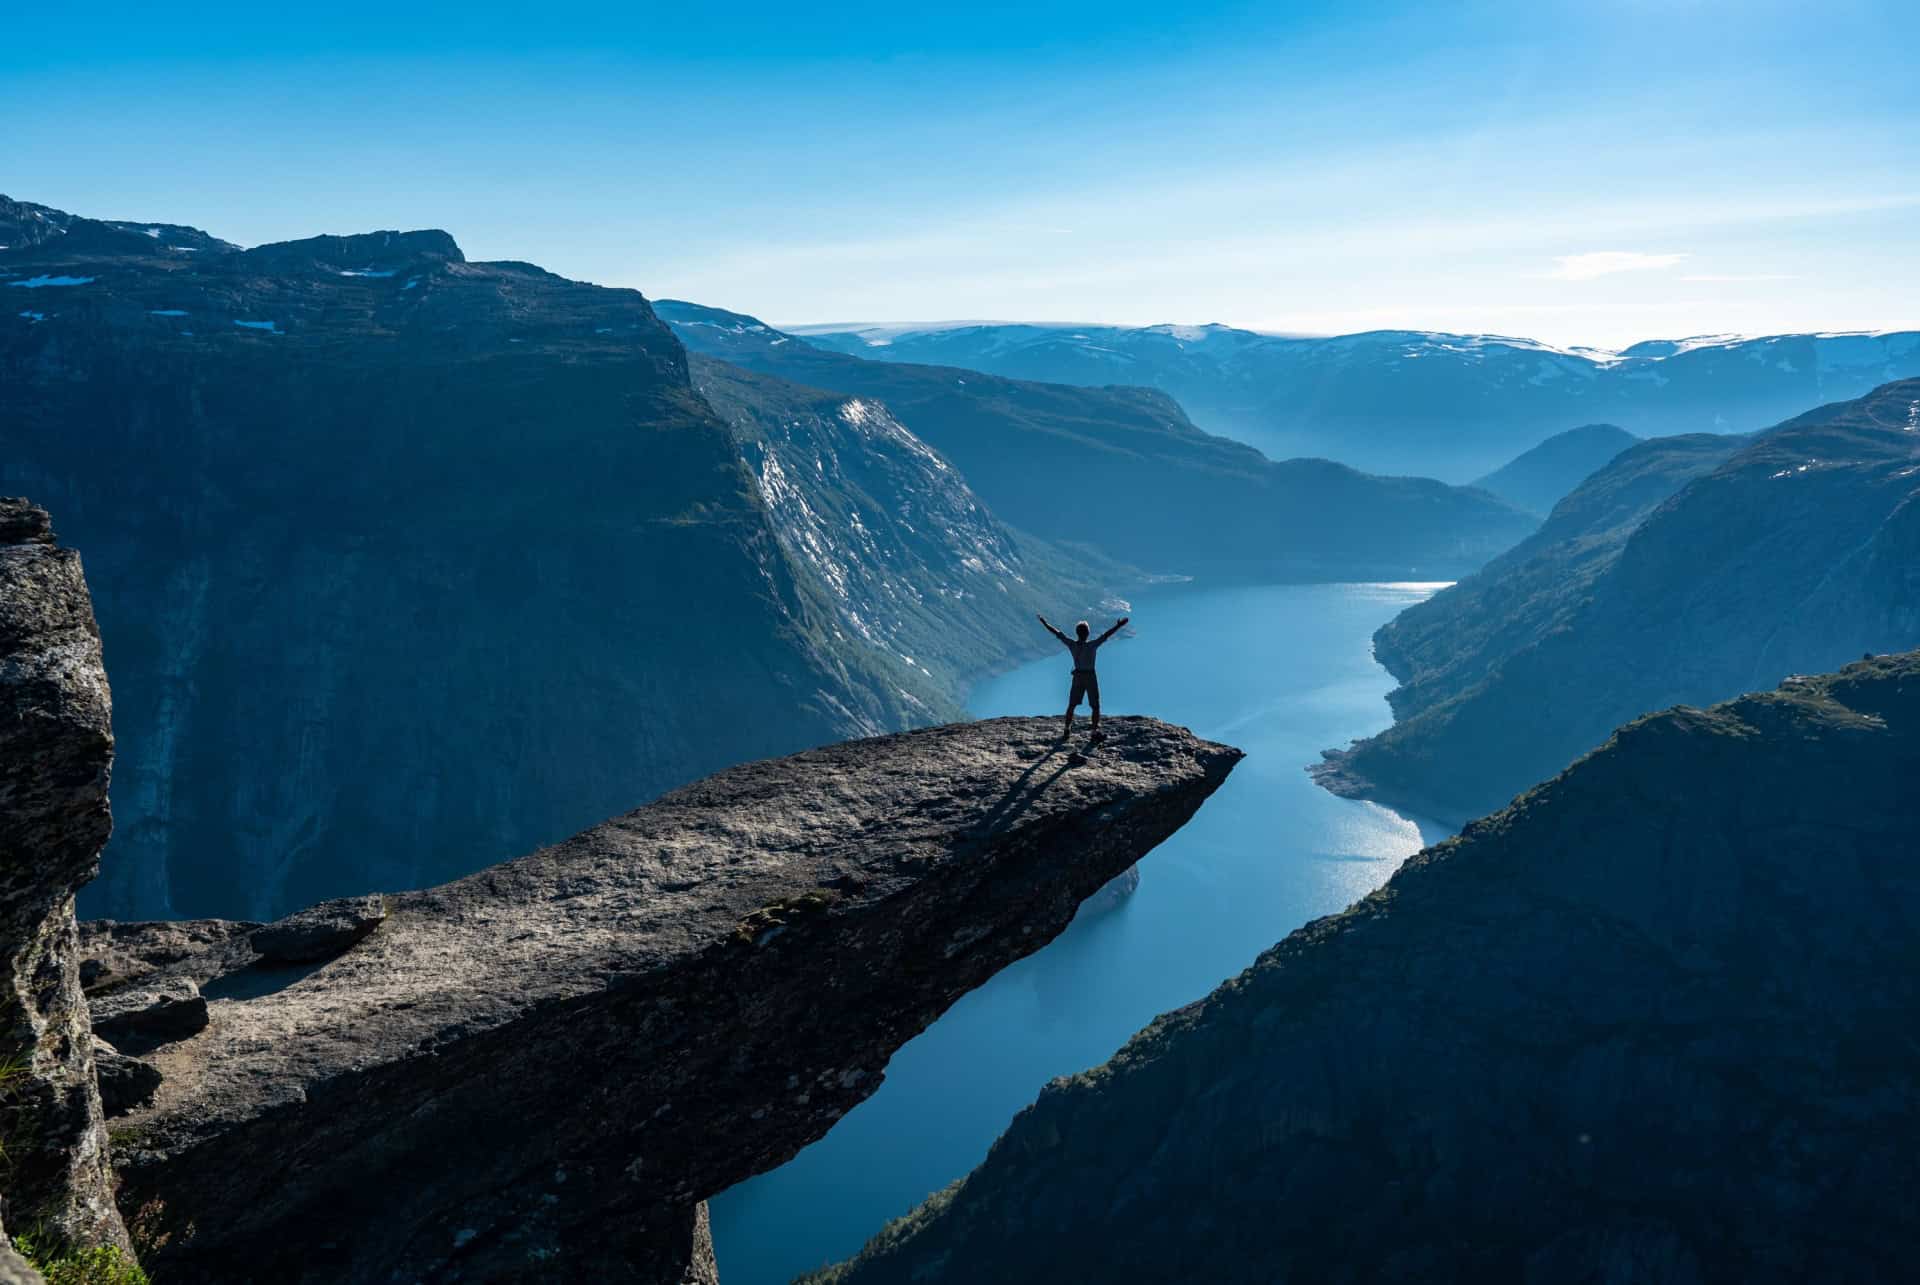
(1093, 701)
(1078, 690)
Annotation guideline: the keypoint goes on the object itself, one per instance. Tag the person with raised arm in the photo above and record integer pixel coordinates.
(1085, 681)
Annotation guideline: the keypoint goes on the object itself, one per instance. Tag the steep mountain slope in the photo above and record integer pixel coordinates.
(1408, 401)
(1798, 551)
(1651, 1023)
(914, 561)
(402, 563)
(1455, 639)
(1123, 470)
(1538, 479)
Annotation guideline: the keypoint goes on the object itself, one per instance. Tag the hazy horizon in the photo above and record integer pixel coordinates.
(909, 327)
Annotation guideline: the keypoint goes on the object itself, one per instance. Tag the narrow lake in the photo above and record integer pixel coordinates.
(1282, 671)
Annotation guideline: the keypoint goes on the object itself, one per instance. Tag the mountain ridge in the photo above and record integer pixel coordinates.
(1452, 406)
(1539, 478)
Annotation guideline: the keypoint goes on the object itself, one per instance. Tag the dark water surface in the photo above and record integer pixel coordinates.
(1281, 671)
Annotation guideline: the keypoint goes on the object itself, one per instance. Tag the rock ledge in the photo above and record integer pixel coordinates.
(553, 1061)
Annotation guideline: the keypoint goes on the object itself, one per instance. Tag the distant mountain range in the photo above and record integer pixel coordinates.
(1123, 470)
(1407, 401)
(1687, 570)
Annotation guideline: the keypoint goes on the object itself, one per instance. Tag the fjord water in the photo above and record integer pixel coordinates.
(1282, 671)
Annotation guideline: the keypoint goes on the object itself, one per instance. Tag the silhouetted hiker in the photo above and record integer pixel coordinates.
(1085, 681)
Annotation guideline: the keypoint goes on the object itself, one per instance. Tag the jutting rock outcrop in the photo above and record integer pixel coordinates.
(1653, 1022)
(56, 749)
(540, 1071)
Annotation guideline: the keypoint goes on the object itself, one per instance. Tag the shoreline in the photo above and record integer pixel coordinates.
(1332, 775)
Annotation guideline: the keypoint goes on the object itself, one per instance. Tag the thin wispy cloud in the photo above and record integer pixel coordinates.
(1605, 263)
(1738, 278)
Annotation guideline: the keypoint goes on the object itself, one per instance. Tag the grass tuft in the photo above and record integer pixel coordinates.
(96, 1265)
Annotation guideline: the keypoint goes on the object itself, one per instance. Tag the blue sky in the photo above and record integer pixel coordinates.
(1580, 173)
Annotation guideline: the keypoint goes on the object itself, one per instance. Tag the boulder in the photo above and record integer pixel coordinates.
(319, 932)
(125, 1082)
(114, 954)
(143, 1015)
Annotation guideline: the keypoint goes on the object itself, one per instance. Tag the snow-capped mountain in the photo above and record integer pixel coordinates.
(1414, 401)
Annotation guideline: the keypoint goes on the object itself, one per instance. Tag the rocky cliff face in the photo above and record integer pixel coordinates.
(916, 564)
(1122, 469)
(541, 1070)
(56, 749)
(1792, 553)
(404, 564)
(1652, 1022)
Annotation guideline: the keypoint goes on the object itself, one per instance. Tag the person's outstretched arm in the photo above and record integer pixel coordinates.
(1050, 629)
(1117, 626)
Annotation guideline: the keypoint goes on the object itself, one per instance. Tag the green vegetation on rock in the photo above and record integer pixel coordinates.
(96, 1265)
